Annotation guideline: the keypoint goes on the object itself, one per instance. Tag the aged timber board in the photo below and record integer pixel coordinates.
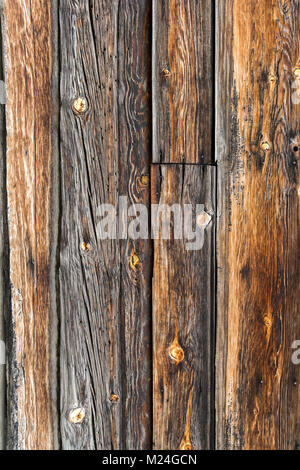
(105, 284)
(183, 314)
(4, 303)
(258, 147)
(182, 81)
(31, 180)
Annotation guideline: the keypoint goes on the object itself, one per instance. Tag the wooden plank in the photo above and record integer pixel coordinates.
(182, 81)
(31, 191)
(258, 138)
(3, 249)
(183, 316)
(134, 111)
(105, 346)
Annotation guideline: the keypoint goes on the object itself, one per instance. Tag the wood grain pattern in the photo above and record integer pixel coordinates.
(126, 380)
(30, 114)
(258, 142)
(183, 317)
(3, 254)
(182, 81)
(134, 111)
(105, 303)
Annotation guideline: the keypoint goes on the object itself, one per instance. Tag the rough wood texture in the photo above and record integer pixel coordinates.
(134, 110)
(183, 317)
(105, 301)
(30, 115)
(258, 144)
(182, 81)
(3, 255)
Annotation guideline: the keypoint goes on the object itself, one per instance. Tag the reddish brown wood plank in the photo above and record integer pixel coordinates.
(182, 81)
(29, 34)
(183, 316)
(258, 142)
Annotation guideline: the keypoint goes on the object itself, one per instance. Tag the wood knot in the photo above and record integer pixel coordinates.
(166, 72)
(80, 105)
(114, 398)
(268, 321)
(203, 219)
(134, 261)
(272, 78)
(145, 180)
(85, 246)
(186, 446)
(77, 415)
(176, 352)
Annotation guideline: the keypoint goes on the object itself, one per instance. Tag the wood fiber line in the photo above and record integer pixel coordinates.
(258, 145)
(182, 81)
(29, 32)
(183, 316)
(105, 291)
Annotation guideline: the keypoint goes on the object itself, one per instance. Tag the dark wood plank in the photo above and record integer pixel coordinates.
(182, 81)
(183, 316)
(134, 111)
(31, 191)
(258, 141)
(105, 345)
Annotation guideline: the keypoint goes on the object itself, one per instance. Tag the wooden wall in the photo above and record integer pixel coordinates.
(141, 344)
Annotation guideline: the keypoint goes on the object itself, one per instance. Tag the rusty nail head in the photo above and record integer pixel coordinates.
(77, 415)
(265, 146)
(79, 105)
(114, 398)
(203, 219)
(85, 247)
(166, 72)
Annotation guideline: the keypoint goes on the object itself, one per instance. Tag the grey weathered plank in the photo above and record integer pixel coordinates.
(257, 143)
(105, 301)
(182, 81)
(31, 117)
(183, 315)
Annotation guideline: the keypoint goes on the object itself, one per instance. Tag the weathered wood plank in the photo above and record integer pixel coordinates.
(31, 191)
(105, 304)
(258, 141)
(183, 316)
(89, 274)
(134, 111)
(3, 248)
(182, 81)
